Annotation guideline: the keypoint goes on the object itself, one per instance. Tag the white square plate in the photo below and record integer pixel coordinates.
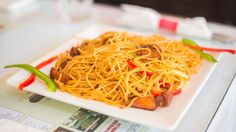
(162, 118)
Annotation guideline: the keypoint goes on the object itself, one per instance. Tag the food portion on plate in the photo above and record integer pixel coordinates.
(124, 69)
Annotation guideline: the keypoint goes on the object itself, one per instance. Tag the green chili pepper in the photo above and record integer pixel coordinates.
(208, 57)
(50, 83)
(189, 42)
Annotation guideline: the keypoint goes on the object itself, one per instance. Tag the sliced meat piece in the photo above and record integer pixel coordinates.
(74, 52)
(142, 52)
(64, 63)
(85, 43)
(164, 99)
(144, 60)
(106, 36)
(147, 103)
(154, 51)
(55, 74)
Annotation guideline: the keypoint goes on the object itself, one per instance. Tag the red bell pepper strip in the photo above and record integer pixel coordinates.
(31, 79)
(231, 51)
(148, 74)
(46, 62)
(27, 82)
(133, 66)
(177, 91)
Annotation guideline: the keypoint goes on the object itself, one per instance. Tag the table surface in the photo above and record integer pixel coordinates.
(30, 34)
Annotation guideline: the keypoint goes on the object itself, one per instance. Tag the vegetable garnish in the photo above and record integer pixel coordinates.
(49, 82)
(46, 62)
(177, 91)
(191, 43)
(31, 79)
(154, 91)
(133, 66)
(27, 82)
(231, 51)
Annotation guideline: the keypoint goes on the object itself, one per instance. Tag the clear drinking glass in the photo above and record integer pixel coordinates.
(75, 10)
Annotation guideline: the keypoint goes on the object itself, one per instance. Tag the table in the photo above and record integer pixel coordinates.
(32, 34)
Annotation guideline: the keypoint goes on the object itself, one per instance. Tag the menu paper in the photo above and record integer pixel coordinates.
(10, 126)
(81, 120)
(36, 123)
(89, 121)
(9, 114)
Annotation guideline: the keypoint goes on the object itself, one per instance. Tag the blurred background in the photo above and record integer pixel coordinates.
(222, 11)
(30, 29)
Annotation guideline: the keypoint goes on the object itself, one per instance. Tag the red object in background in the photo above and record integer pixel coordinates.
(166, 24)
(32, 76)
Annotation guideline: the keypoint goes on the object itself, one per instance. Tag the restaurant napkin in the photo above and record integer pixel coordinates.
(146, 18)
